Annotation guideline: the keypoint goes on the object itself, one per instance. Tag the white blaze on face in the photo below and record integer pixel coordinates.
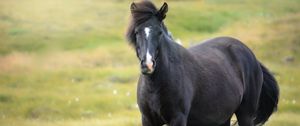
(147, 31)
(149, 62)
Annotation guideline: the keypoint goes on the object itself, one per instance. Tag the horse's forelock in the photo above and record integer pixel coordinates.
(142, 12)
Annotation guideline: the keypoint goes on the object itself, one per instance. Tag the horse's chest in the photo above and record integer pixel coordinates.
(154, 102)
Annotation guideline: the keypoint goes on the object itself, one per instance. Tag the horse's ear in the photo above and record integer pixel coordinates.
(132, 6)
(161, 14)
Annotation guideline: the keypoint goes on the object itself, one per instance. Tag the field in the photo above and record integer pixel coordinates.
(67, 63)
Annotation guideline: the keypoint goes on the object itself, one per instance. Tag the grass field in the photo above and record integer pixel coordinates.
(66, 62)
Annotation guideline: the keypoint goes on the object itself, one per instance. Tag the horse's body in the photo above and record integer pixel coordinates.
(207, 82)
(204, 85)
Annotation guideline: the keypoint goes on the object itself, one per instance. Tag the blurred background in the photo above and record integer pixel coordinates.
(66, 62)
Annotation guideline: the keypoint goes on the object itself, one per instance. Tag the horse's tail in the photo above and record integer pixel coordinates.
(268, 97)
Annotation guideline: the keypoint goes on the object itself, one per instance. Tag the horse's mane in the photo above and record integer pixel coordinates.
(142, 12)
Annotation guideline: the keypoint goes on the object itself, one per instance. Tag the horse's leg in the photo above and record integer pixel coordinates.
(146, 121)
(244, 119)
(179, 120)
(227, 123)
(245, 114)
(150, 121)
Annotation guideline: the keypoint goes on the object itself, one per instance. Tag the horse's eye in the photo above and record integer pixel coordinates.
(136, 32)
(136, 35)
(138, 52)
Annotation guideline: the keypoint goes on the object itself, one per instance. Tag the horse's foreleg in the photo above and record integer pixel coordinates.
(179, 120)
(150, 121)
(227, 123)
(145, 121)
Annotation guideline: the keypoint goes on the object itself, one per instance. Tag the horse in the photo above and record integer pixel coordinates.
(203, 85)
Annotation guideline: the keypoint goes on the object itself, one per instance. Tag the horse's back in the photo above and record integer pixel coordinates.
(223, 44)
(222, 50)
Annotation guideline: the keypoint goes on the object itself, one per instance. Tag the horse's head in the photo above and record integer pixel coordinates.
(146, 32)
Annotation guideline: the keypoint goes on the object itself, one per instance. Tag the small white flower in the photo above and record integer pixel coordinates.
(77, 99)
(127, 93)
(115, 92)
(294, 101)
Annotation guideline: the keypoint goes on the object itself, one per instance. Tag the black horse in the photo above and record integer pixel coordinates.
(200, 86)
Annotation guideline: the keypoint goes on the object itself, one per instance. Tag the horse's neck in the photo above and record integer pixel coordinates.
(171, 59)
(170, 53)
(174, 65)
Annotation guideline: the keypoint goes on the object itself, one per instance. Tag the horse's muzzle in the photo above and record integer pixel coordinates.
(147, 68)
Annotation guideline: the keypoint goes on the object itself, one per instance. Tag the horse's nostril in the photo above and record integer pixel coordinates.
(154, 63)
(143, 63)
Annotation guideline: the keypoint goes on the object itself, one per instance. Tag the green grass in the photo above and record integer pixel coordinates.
(66, 62)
